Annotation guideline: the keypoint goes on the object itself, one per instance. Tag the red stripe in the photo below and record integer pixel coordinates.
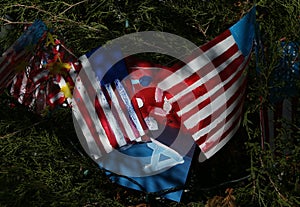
(223, 108)
(34, 73)
(225, 56)
(100, 113)
(102, 117)
(232, 127)
(216, 40)
(206, 122)
(69, 80)
(124, 109)
(202, 49)
(6, 74)
(30, 88)
(210, 145)
(116, 115)
(206, 137)
(89, 122)
(106, 126)
(57, 101)
(17, 85)
(6, 58)
(209, 85)
(7, 71)
(207, 69)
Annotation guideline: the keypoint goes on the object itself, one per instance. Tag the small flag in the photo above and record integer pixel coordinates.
(284, 94)
(20, 53)
(46, 78)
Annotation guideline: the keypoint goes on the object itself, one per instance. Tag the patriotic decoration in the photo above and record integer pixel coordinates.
(209, 89)
(14, 59)
(283, 94)
(45, 76)
(142, 121)
(115, 136)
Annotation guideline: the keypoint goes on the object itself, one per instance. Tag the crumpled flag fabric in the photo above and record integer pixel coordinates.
(16, 57)
(46, 78)
(205, 95)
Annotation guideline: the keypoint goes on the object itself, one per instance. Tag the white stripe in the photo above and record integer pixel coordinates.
(129, 106)
(56, 97)
(62, 82)
(120, 112)
(92, 145)
(34, 96)
(89, 104)
(197, 63)
(72, 72)
(218, 119)
(205, 78)
(111, 119)
(217, 147)
(11, 59)
(209, 93)
(225, 127)
(6, 76)
(40, 75)
(23, 88)
(12, 89)
(214, 105)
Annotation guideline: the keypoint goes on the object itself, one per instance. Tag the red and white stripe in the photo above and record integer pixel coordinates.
(209, 90)
(101, 114)
(23, 89)
(8, 62)
(118, 106)
(274, 118)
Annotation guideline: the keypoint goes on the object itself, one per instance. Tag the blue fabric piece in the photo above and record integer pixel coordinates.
(174, 177)
(145, 80)
(109, 65)
(31, 36)
(244, 31)
(167, 180)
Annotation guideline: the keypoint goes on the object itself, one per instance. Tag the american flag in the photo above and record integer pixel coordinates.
(283, 97)
(15, 58)
(212, 100)
(205, 94)
(37, 88)
(38, 69)
(104, 113)
(46, 79)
